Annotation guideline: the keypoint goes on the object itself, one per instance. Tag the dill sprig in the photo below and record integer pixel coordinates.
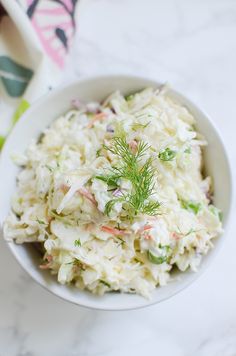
(141, 176)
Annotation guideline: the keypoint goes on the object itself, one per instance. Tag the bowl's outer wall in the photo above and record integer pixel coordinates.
(37, 118)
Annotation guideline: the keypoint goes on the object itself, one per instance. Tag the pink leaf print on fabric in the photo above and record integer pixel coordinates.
(29, 2)
(54, 23)
(69, 4)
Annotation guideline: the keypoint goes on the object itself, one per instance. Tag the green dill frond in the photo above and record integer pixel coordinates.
(121, 148)
(151, 208)
(141, 150)
(141, 175)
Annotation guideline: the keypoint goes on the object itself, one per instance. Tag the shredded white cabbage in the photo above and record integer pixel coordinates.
(61, 202)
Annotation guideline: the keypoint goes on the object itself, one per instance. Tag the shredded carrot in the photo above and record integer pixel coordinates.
(46, 266)
(148, 237)
(145, 228)
(85, 193)
(175, 236)
(97, 117)
(49, 258)
(64, 188)
(113, 231)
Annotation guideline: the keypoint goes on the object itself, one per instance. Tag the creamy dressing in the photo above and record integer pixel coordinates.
(62, 204)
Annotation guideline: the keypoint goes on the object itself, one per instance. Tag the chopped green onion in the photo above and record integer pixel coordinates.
(129, 97)
(220, 216)
(188, 150)
(41, 222)
(191, 206)
(80, 264)
(216, 212)
(98, 152)
(77, 243)
(165, 248)
(136, 126)
(105, 283)
(122, 242)
(167, 155)
(59, 217)
(158, 260)
(49, 168)
(111, 180)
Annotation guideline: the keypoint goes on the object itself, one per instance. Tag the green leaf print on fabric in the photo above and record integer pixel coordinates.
(2, 140)
(14, 76)
(24, 105)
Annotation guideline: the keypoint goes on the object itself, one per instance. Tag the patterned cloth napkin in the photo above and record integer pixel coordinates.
(35, 36)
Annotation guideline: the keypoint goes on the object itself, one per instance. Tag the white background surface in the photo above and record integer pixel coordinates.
(192, 45)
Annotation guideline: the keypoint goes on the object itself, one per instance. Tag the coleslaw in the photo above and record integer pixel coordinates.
(115, 195)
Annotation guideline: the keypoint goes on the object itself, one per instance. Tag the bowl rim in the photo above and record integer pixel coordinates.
(54, 92)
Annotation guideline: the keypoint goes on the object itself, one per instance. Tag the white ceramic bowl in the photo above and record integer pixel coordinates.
(39, 116)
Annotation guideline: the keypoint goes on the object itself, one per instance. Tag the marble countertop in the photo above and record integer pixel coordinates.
(192, 45)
